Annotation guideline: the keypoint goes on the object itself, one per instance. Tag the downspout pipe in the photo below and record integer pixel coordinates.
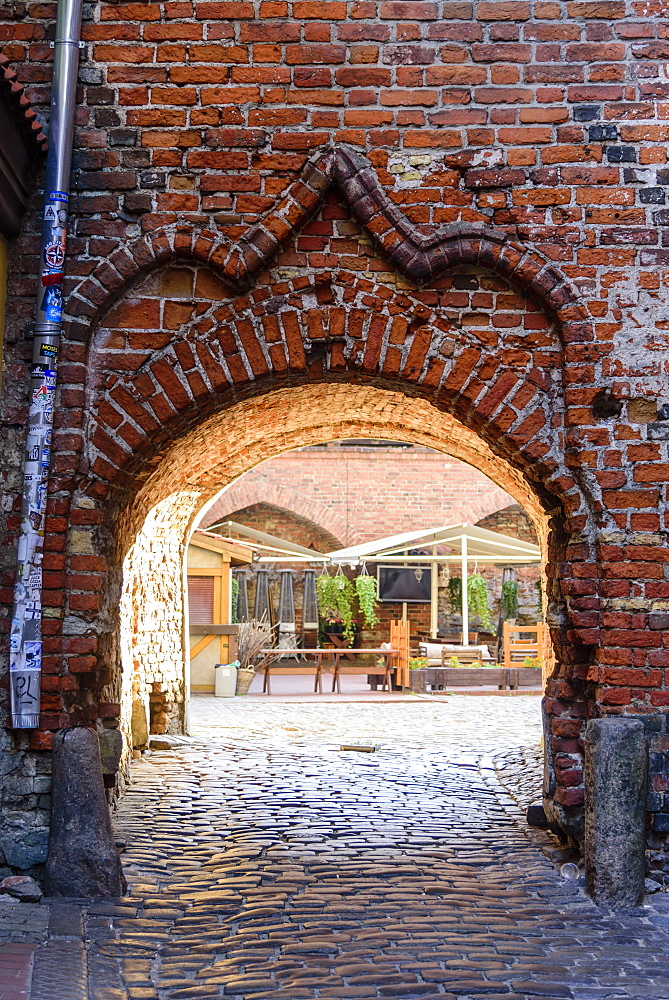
(25, 658)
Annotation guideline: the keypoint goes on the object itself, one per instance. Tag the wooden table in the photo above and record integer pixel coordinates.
(390, 656)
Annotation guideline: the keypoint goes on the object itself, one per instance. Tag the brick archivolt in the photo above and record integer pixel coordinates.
(422, 257)
(333, 326)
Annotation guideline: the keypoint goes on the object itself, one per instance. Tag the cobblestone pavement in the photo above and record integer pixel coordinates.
(264, 862)
(23, 926)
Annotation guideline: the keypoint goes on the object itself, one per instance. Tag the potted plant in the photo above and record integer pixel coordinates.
(477, 599)
(509, 599)
(335, 598)
(366, 591)
(252, 637)
(455, 595)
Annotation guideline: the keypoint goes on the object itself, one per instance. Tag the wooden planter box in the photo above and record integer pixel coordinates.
(429, 679)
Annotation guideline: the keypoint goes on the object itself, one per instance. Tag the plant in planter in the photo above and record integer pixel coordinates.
(455, 595)
(418, 663)
(335, 596)
(532, 661)
(252, 637)
(477, 599)
(454, 662)
(234, 594)
(367, 593)
(509, 599)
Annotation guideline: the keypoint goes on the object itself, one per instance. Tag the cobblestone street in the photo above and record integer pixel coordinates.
(264, 862)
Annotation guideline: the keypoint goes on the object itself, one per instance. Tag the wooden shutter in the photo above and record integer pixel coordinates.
(201, 600)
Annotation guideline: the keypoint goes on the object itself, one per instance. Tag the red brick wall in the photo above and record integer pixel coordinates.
(368, 492)
(511, 520)
(285, 524)
(256, 264)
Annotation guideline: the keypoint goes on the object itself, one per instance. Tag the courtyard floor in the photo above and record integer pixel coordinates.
(265, 862)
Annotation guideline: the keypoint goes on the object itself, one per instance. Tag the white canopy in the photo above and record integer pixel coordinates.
(289, 551)
(459, 543)
(475, 543)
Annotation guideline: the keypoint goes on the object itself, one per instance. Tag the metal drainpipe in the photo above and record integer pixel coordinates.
(25, 660)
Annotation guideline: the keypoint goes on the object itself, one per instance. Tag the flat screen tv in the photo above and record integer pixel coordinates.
(405, 584)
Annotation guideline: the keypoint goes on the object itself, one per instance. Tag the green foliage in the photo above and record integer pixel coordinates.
(509, 601)
(418, 662)
(477, 599)
(454, 662)
(335, 596)
(455, 595)
(234, 593)
(532, 661)
(367, 594)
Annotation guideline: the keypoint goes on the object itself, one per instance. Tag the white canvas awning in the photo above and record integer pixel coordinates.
(463, 544)
(283, 551)
(490, 547)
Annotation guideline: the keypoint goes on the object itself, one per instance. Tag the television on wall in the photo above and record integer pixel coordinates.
(405, 584)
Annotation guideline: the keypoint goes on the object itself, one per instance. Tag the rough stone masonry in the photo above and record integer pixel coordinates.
(295, 221)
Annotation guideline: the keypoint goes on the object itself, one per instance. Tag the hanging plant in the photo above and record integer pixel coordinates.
(234, 594)
(455, 595)
(509, 601)
(477, 599)
(540, 598)
(335, 595)
(367, 594)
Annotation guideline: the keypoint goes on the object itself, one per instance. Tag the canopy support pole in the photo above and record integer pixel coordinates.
(465, 604)
(434, 596)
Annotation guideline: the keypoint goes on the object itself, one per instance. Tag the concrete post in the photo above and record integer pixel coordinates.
(615, 811)
(83, 860)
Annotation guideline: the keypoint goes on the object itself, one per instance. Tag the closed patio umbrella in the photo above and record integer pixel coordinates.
(242, 609)
(309, 601)
(261, 608)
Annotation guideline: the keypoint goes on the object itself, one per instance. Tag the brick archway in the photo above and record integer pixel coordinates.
(185, 392)
(331, 326)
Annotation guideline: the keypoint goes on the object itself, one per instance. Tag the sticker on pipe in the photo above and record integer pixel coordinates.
(54, 255)
(43, 396)
(50, 351)
(52, 305)
(54, 215)
(15, 636)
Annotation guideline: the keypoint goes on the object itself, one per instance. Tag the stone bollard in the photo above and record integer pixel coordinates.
(615, 811)
(82, 860)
